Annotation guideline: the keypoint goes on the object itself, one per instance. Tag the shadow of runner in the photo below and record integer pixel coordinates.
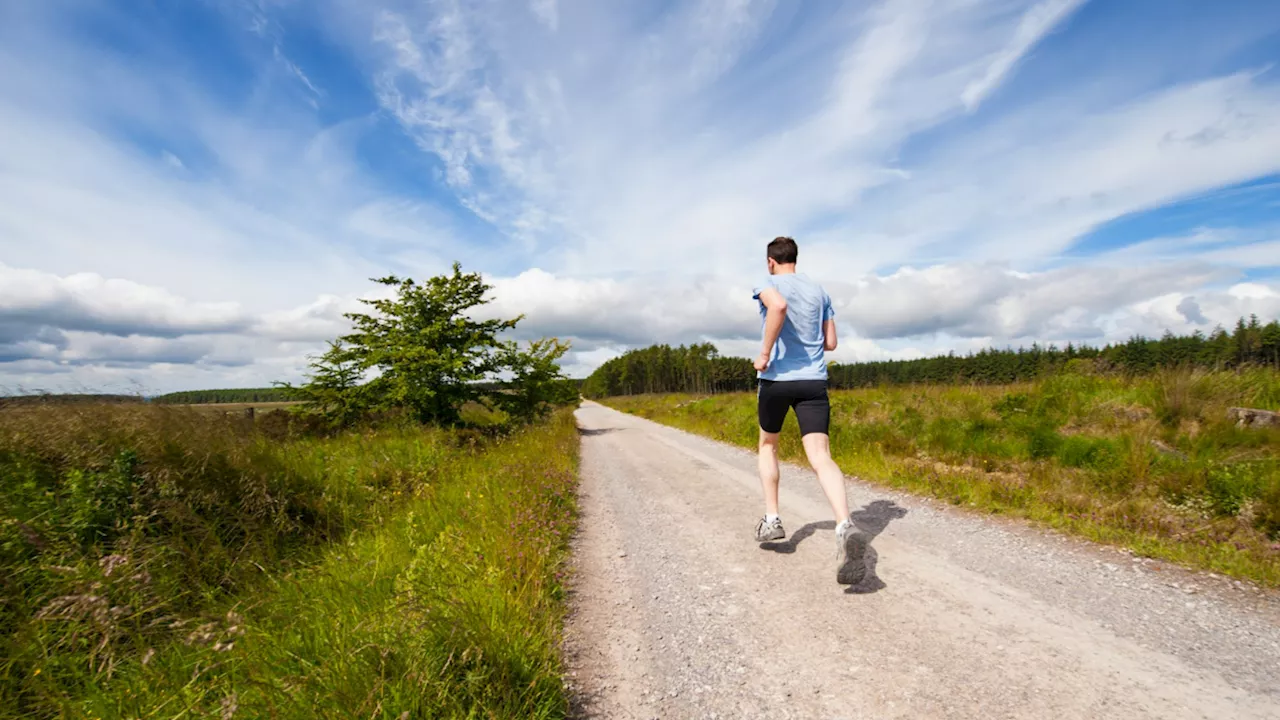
(871, 520)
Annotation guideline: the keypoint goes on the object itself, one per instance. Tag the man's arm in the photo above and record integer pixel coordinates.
(829, 335)
(775, 313)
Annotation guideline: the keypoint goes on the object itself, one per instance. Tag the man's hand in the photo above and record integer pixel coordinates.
(762, 362)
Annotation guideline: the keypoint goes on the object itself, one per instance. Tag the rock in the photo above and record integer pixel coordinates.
(1249, 417)
(1165, 449)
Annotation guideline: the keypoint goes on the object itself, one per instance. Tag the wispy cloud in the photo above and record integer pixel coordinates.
(1037, 21)
(297, 72)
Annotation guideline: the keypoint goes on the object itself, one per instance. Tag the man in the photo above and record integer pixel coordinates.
(799, 327)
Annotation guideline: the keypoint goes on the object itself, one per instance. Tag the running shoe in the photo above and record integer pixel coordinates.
(767, 530)
(851, 554)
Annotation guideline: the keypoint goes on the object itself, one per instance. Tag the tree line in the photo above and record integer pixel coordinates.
(230, 395)
(701, 369)
(67, 399)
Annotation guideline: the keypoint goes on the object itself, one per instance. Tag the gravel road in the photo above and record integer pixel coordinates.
(678, 613)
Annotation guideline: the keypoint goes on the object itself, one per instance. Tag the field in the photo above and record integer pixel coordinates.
(1152, 464)
(241, 407)
(163, 562)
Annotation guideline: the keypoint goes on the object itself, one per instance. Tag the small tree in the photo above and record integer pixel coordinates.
(333, 387)
(430, 357)
(536, 383)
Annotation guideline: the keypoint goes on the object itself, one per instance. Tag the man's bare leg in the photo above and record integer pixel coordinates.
(769, 471)
(817, 446)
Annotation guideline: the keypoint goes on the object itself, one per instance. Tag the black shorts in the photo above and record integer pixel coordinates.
(808, 397)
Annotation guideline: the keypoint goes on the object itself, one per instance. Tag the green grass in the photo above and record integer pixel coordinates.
(164, 563)
(1152, 464)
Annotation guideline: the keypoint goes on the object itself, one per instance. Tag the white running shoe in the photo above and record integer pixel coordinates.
(766, 530)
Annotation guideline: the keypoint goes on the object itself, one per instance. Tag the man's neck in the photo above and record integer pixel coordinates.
(781, 269)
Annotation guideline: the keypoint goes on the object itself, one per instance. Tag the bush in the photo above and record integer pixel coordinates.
(1089, 453)
(1231, 487)
(1043, 441)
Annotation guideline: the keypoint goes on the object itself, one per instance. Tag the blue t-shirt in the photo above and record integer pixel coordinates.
(798, 354)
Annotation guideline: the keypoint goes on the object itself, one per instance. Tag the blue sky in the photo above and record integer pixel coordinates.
(192, 193)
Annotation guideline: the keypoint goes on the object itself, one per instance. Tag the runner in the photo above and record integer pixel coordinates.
(799, 327)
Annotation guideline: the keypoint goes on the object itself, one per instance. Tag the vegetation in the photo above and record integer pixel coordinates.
(423, 352)
(66, 399)
(700, 369)
(1149, 462)
(662, 368)
(235, 395)
(162, 562)
(391, 547)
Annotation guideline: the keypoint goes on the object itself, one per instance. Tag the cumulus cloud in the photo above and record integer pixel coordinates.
(994, 301)
(90, 302)
(624, 312)
(958, 306)
(1190, 309)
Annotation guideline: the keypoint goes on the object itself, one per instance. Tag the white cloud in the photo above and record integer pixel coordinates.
(86, 301)
(1029, 185)
(1037, 21)
(297, 72)
(547, 12)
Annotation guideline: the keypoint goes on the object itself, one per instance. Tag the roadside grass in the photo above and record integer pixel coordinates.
(168, 562)
(1152, 464)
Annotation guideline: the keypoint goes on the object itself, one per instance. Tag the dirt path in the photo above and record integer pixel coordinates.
(678, 613)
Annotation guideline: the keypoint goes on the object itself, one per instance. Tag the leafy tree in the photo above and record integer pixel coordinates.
(536, 383)
(333, 389)
(426, 353)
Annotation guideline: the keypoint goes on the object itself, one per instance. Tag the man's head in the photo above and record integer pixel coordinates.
(782, 255)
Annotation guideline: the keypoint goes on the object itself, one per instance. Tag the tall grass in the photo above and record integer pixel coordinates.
(163, 563)
(1152, 463)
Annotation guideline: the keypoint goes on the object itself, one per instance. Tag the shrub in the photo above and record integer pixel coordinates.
(1043, 441)
(1230, 487)
(1089, 453)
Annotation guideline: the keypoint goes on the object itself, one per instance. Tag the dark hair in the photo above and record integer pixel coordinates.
(783, 250)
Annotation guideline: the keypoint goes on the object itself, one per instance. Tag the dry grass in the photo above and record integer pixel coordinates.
(241, 407)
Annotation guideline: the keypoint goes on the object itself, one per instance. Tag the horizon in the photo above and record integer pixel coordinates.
(194, 194)
(1050, 348)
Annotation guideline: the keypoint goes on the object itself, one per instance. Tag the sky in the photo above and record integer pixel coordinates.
(193, 192)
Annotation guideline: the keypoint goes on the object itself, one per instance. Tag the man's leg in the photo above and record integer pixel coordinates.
(771, 407)
(769, 470)
(817, 446)
(813, 412)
